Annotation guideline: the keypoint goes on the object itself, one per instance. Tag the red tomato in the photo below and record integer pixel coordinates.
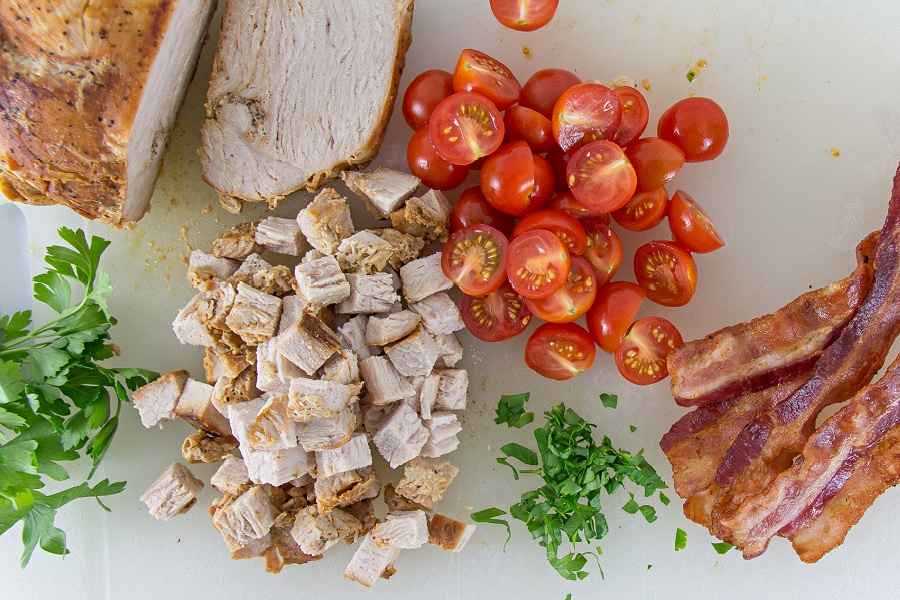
(423, 94)
(601, 176)
(696, 125)
(477, 72)
(544, 183)
(560, 350)
(655, 162)
(691, 226)
(429, 166)
(645, 210)
(641, 357)
(567, 202)
(474, 259)
(464, 127)
(537, 264)
(559, 160)
(472, 207)
(544, 88)
(584, 113)
(613, 312)
(635, 114)
(571, 300)
(523, 123)
(498, 316)
(516, 181)
(566, 227)
(524, 15)
(666, 271)
(604, 249)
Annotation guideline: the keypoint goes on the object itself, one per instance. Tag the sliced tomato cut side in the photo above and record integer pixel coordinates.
(571, 300)
(604, 249)
(464, 127)
(601, 176)
(560, 350)
(645, 210)
(666, 271)
(641, 357)
(524, 15)
(635, 114)
(566, 202)
(474, 259)
(497, 316)
(538, 263)
(566, 227)
(585, 113)
(691, 225)
(485, 75)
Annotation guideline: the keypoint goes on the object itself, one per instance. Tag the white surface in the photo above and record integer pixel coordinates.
(796, 79)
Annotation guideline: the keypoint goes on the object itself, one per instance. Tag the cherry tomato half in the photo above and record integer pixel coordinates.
(523, 123)
(613, 312)
(537, 264)
(429, 166)
(566, 227)
(524, 15)
(645, 210)
(498, 316)
(601, 176)
(472, 207)
(584, 113)
(423, 94)
(666, 271)
(474, 259)
(696, 125)
(571, 300)
(567, 202)
(641, 357)
(559, 160)
(477, 72)
(516, 181)
(635, 114)
(604, 249)
(560, 350)
(655, 162)
(544, 88)
(691, 226)
(464, 127)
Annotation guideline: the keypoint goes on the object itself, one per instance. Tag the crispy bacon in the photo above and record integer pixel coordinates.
(751, 356)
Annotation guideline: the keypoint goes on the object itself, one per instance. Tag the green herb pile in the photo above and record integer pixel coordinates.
(57, 404)
(576, 473)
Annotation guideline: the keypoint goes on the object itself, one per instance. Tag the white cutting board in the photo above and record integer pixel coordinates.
(797, 80)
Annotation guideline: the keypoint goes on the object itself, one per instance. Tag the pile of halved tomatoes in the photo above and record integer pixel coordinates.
(561, 159)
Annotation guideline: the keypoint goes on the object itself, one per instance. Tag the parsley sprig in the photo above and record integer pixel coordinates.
(55, 399)
(565, 513)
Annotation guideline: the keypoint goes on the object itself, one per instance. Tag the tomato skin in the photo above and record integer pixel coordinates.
(601, 176)
(560, 350)
(655, 162)
(472, 207)
(426, 164)
(645, 210)
(559, 160)
(424, 93)
(538, 263)
(604, 250)
(635, 114)
(485, 75)
(474, 259)
(641, 357)
(613, 312)
(544, 183)
(509, 177)
(691, 225)
(544, 88)
(666, 271)
(696, 125)
(523, 123)
(585, 113)
(566, 227)
(464, 127)
(571, 300)
(524, 15)
(497, 316)
(567, 202)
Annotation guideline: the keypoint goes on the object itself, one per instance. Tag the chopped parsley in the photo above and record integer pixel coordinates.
(722, 547)
(680, 539)
(511, 410)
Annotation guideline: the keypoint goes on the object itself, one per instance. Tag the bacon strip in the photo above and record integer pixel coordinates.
(751, 356)
(851, 431)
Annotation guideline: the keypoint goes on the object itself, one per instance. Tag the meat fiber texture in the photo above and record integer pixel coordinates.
(90, 96)
(300, 92)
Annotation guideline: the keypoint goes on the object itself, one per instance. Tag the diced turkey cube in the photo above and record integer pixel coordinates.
(308, 343)
(450, 350)
(423, 277)
(204, 269)
(369, 294)
(342, 367)
(231, 477)
(404, 247)
(384, 330)
(453, 391)
(223, 363)
(292, 307)
(321, 282)
(282, 236)
(251, 265)
(254, 315)
(369, 562)
(277, 467)
(353, 336)
(401, 436)
(316, 533)
(439, 313)
(156, 401)
(202, 447)
(383, 190)
(239, 242)
(326, 221)
(364, 252)
(428, 395)
(443, 427)
(245, 518)
(195, 406)
(415, 354)
(190, 325)
(406, 529)
(268, 378)
(327, 433)
(426, 217)
(311, 399)
(448, 533)
(383, 382)
(346, 488)
(263, 423)
(174, 492)
(355, 454)
(425, 480)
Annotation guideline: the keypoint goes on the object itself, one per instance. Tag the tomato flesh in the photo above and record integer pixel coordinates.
(566, 227)
(584, 113)
(567, 202)
(477, 72)
(666, 271)
(571, 300)
(524, 15)
(560, 350)
(641, 357)
(635, 114)
(613, 312)
(604, 249)
(423, 94)
(696, 125)
(537, 264)
(691, 225)
(497, 316)
(464, 127)
(474, 259)
(544, 88)
(601, 176)
(472, 207)
(426, 164)
(645, 210)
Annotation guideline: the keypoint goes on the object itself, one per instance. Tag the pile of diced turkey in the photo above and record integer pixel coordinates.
(307, 368)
